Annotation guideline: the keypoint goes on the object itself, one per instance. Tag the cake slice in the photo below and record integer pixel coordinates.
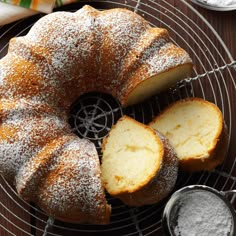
(138, 164)
(197, 131)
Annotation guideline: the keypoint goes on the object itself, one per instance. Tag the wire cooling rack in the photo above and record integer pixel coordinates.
(94, 114)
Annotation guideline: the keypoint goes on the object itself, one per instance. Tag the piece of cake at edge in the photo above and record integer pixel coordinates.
(63, 56)
(197, 131)
(139, 166)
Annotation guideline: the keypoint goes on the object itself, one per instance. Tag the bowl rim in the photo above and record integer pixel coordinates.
(177, 194)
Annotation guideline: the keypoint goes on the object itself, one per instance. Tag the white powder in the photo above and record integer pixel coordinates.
(202, 213)
(219, 3)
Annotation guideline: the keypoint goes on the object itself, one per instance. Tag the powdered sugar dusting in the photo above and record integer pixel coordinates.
(2, 76)
(152, 55)
(78, 184)
(63, 56)
(90, 48)
(24, 131)
(120, 31)
(167, 176)
(168, 57)
(33, 172)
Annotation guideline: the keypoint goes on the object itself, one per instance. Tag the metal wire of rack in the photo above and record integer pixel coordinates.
(94, 114)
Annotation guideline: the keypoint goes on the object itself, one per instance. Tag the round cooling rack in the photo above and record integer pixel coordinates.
(93, 115)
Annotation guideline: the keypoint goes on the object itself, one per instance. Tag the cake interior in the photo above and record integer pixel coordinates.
(132, 155)
(158, 83)
(192, 128)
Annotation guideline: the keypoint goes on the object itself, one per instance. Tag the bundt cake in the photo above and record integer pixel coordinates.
(63, 56)
(197, 131)
(139, 166)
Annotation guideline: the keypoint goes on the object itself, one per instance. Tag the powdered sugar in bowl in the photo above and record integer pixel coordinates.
(199, 210)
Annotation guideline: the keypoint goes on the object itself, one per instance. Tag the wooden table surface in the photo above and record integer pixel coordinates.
(223, 22)
(225, 25)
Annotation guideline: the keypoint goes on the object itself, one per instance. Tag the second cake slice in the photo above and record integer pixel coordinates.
(197, 131)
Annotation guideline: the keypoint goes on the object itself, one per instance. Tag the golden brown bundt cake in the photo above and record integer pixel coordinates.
(63, 56)
(114, 51)
(197, 131)
(139, 166)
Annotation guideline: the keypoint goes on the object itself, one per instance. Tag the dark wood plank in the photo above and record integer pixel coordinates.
(16, 217)
(224, 24)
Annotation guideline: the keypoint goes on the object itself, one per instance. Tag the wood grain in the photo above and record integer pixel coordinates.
(225, 25)
(16, 217)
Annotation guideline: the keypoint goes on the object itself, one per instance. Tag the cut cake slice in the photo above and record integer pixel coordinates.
(139, 166)
(197, 131)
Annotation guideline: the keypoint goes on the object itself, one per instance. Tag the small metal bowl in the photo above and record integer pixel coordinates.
(173, 206)
(214, 8)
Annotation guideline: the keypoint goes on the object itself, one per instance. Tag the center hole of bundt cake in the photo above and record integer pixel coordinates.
(93, 114)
